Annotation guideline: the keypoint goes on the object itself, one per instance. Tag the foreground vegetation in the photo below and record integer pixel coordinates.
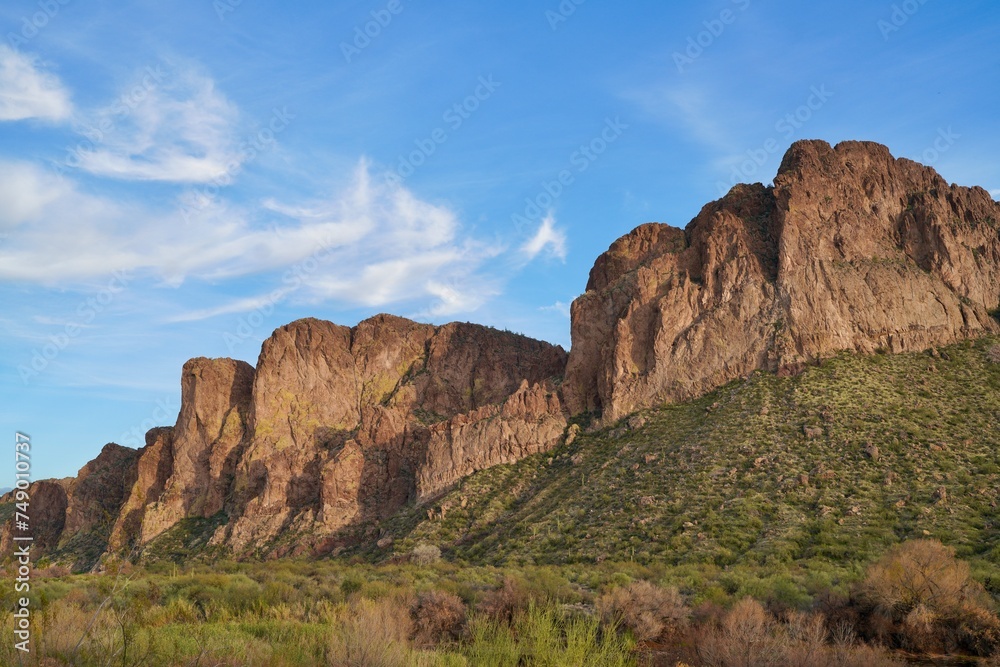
(917, 598)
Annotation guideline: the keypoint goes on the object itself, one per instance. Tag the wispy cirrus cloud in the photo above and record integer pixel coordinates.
(546, 238)
(369, 243)
(560, 307)
(179, 128)
(237, 306)
(694, 108)
(29, 92)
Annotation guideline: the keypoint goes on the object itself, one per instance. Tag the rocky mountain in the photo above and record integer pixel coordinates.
(851, 249)
(337, 429)
(333, 430)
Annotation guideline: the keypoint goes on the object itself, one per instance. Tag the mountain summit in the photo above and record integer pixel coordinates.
(851, 249)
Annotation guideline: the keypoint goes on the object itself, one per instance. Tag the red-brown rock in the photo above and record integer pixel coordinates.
(850, 249)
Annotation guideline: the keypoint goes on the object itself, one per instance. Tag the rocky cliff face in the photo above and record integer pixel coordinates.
(76, 516)
(346, 423)
(850, 249)
(336, 428)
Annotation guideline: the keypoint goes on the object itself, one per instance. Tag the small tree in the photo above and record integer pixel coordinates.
(932, 600)
(649, 611)
(920, 573)
(425, 554)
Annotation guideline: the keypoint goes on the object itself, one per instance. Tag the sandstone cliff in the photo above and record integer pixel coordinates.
(851, 249)
(347, 423)
(336, 428)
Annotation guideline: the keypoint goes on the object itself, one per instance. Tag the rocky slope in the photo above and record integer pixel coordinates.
(851, 249)
(832, 466)
(336, 429)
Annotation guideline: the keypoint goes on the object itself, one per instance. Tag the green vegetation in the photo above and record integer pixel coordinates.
(918, 597)
(767, 515)
(801, 480)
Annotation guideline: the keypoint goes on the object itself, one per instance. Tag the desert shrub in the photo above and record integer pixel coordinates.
(978, 631)
(505, 603)
(920, 630)
(748, 636)
(744, 638)
(548, 583)
(930, 601)
(437, 616)
(994, 354)
(540, 635)
(425, 554)
(648, 611)
(351, 585)
(920, 572)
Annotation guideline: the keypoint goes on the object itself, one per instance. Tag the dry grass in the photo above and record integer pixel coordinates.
(374, 634)
(750, 637)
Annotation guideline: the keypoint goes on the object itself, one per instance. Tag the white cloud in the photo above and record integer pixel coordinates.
(26, 193)
(237, 306)
(547, 237)
(558, 307)
(171, 126)
(371, 244)
(995, 193)
(28, 92)
(692, 107)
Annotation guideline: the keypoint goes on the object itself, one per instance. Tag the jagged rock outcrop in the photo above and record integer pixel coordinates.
(76, 516)
(200, 454)
(343, 418)
(851, 249)
(336, 428)
(154, 467)
(95, 496)
(47, 517)
(528, 422)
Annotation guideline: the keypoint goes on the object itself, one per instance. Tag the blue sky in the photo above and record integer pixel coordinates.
(179, 179)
